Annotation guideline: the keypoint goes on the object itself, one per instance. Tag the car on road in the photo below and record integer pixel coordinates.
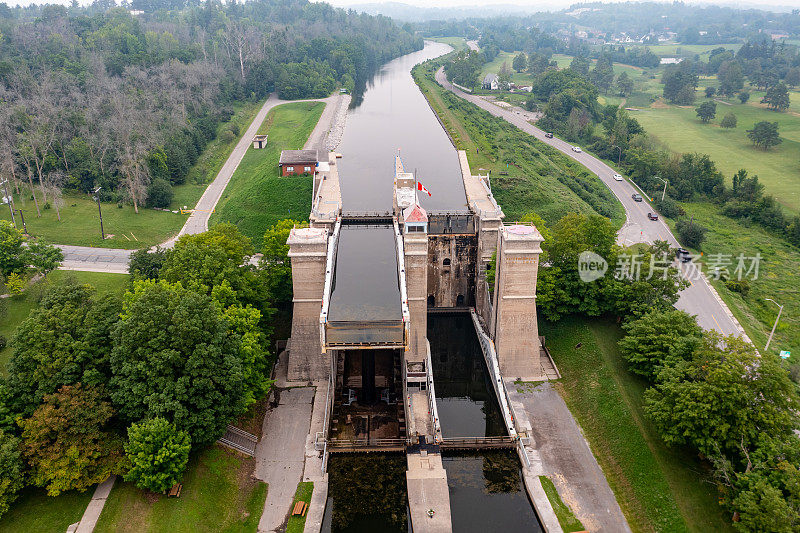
(617, 177)
(683, 255)
(652, 216)
(548, 135)
(636, 197)
(577, 149)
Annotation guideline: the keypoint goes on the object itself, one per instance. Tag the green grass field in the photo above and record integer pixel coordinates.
(257, 197)
(658, 488)
(218, 494)
(566, 518)
(777, 277)
(36, 512)
(304, 491)
(16, 309)
(458, 43)
(778, 168)
(533, 169)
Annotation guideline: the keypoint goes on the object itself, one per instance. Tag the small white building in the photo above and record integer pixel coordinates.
(491, 82)
(260, 141)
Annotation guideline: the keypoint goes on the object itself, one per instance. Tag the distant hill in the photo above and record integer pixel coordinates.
(409, 13)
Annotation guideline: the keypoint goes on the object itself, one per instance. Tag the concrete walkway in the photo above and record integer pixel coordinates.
(558, 450)
(92, 513)
(280, 455)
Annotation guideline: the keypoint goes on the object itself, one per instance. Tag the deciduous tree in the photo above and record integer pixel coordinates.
(157, 453)
(764, 135)
(706, 111)
(11, 470)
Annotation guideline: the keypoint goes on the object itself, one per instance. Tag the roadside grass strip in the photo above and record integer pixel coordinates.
(566, 519)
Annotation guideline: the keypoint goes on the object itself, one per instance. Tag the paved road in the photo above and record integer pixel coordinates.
(699, 298)
(116, 260)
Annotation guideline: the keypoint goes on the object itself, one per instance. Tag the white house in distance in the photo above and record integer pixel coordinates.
(491, 82)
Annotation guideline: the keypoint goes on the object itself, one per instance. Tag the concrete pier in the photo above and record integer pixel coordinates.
(427, 491)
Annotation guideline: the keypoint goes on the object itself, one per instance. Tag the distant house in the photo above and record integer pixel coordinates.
(491, 82)
(259, 141)
(670, 60)
(296, 162)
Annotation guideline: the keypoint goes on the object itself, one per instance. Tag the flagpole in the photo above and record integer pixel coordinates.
(416, 197)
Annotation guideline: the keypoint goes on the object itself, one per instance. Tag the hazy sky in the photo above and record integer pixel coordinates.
(537, 4)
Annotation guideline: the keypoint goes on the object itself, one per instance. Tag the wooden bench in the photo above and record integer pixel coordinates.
(300, 509)
(175, 491)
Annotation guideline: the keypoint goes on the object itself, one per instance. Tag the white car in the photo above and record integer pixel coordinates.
(617, 177)
(577, 149)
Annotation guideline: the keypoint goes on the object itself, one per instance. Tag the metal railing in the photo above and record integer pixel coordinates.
(432, 408)
(478, 442)
(334, 444)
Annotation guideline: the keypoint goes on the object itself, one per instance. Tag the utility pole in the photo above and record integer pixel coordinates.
(771, 333)
(10, 203)
(100, 211)
(24, 227)
(664, 192)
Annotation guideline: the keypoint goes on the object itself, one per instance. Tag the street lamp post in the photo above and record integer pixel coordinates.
(10, 203)
(771, 333)
(664, 192)
(100, 211)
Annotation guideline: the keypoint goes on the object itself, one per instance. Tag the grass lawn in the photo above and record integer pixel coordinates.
(777, 278)
(17, 308)
(658, 488)
(537, 177)
(257, 197)
(80, 223)
(569, 523)
(36, 512)
(778, 168)
(458, 43)
(218, 495)
(304, 491)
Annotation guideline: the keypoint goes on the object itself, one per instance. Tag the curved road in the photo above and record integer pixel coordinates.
(699, 298)
(115, 260)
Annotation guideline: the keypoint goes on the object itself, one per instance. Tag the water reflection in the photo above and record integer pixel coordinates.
(366, 493)
(464, 395)
(487, 493)
(393, 114)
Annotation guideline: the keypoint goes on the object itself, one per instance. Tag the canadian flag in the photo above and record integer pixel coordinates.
(421, 188)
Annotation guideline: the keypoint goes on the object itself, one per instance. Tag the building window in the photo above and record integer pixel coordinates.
(431, 301)
(446, 262)
(289, 169)
(460, 300)
(306, 169)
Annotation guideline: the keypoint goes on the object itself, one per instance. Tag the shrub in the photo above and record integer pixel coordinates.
(669, 207)
(159, 194)
(690, 233)
(3, 342)
(157, 452)
(15, 284)
(227, 136)
(729, 121)
(742, 286)
(11, 470)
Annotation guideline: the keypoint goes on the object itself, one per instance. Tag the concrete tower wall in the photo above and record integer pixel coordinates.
(516, 332)
(308, 251)
(416, 259)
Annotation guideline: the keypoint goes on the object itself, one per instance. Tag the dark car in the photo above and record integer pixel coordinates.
(683, 255)
(652, 216)
(636, 197)
(548, 135)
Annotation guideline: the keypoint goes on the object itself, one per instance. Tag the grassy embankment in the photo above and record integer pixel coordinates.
(218, 494)
(80, 222)
(257, 197)
(34, 510)
(658, 488)
(566, 518)
(296, 524)
(15, 309)
(458, 43)
(540, 179)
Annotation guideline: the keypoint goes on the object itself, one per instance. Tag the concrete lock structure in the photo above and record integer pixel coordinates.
(364, 284)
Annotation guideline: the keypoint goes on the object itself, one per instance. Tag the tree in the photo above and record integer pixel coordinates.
(723, 399)
(67, 441)
(659, 339)
(11, 470)
(744, 96)
(146, 264)
(793, 77)
(731, 78)
(706, 111)
(580, 64)
(159, 194)
(710, 92)
(764, 134)
(42, 256)
(11, 252)
(175, 357)
(66, 340)
(690, 233)
(602, 75)
(777, 97)
(729, 121)
(157, 452)
(275, 261)
(624, 84)
(520, 62)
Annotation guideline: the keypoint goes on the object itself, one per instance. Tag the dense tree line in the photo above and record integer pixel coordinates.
(98, 96)
(128, 385)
